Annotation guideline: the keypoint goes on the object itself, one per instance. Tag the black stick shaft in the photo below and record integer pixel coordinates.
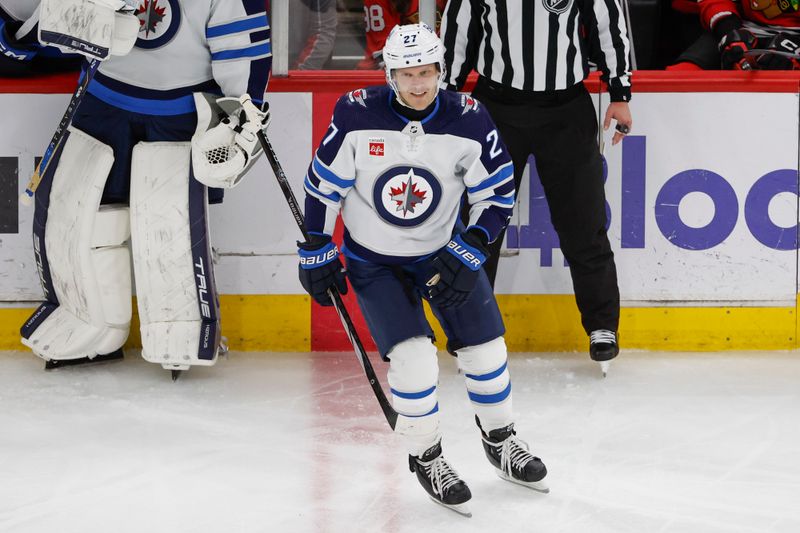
(338, 304)
(61, 130)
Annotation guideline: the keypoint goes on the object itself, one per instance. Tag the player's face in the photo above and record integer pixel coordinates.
(417, 85)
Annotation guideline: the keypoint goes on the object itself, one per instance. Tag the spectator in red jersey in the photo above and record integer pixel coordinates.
(739, 31)
(380, 16)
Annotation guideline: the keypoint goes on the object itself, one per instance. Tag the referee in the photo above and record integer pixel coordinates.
(531, 57)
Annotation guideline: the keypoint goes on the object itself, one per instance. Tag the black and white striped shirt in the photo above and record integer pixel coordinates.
(536, 45)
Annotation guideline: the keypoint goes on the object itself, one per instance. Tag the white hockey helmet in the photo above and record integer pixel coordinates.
(412, 45)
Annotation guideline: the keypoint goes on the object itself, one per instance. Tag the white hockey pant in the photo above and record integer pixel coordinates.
(413, 379)
(485, 368)
(82, 257)
(176, 293)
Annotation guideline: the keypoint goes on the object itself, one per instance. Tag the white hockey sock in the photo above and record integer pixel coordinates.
(488, 382)
(413, 376)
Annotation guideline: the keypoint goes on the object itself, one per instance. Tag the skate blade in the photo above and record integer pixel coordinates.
(538, 486)
(56, 364)
(604, 367)
(176, 370)
(460, 508)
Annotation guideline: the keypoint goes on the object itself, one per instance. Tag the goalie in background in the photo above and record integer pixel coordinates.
(396, 161)
(126, 181)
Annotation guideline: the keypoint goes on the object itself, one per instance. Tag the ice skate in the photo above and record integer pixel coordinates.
(603, 348)
(440, 480)
(53, 364)
(512, 460)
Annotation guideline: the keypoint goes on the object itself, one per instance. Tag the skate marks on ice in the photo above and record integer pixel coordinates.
(295, 442)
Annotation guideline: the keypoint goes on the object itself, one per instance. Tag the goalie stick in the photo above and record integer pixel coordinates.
(26, 198)
(338, 304)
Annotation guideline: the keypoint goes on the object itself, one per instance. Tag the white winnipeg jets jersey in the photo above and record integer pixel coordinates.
(185, 46)
(399, 183)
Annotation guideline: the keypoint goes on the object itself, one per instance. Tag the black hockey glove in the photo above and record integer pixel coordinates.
(321, 268)
(784, 56)
(456, 269)
(732, 48)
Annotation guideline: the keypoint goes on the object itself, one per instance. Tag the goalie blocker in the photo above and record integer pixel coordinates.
(95, 28)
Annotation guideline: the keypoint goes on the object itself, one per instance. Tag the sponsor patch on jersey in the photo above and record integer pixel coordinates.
(377, 146)
(468, 103)
(557, 6)
(406, 196)
(357, 97)
(159, 21)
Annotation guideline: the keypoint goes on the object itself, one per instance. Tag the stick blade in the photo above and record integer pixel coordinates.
(26, 199)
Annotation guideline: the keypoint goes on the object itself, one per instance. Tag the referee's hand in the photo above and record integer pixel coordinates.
(621, 112)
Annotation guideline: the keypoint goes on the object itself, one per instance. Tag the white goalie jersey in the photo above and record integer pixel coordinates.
(215, 46)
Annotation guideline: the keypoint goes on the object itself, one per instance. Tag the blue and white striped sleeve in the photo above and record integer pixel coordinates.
(489, 180)
(239, 38)
(331, 174)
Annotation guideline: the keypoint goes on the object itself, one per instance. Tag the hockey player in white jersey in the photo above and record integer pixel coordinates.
(396, 161)
(127, 181)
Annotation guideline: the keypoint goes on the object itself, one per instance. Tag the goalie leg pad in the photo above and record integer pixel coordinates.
(82, 257)
(176, 293)
(413, 378)
(488, 382)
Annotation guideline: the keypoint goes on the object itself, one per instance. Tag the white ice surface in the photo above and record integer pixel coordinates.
(272, 442)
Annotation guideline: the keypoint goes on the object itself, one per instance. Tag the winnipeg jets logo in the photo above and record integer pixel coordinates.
(159, 21)
(557, 6)
(150, 15)
(358, 96)
(468, 103)
(406, 196)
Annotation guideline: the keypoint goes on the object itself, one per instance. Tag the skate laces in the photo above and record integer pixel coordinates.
(514, 454)
(442, 475)
(602, 335)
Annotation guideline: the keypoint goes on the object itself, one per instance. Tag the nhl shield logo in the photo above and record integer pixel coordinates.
(406, 196)
(159, 21)
(557, 6)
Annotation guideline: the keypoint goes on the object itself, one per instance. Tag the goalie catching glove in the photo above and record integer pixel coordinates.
(457, 267)
(225, 145)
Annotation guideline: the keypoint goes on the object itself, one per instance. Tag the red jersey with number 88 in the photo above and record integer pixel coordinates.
(380, 16)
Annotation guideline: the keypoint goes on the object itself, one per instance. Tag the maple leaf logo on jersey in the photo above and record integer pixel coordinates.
(407, 196)
(150, 15)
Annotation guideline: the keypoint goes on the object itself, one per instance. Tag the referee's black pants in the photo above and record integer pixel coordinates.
(560, 129)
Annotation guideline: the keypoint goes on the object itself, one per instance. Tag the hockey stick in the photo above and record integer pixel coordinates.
(752, 56)
(762, 51)
(26, 198)
(338, 304)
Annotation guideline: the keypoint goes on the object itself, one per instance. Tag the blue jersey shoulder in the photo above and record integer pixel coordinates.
(366, 108)
(462, 115)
